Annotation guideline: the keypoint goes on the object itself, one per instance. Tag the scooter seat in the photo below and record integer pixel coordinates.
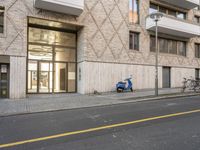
(121, 82)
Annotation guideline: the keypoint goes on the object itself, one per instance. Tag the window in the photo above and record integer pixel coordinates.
(171, 12)
(153, 8)
(152, 44)
(134, 11)
(168, 46)
(1, 19)
(163, 45)
(197, 8)
(172, 45)
(197, 74)
(134, 41)
(197, 19)
(182, 48)
(181, 15)
(163, 10)
(197, 50)
(51, 58)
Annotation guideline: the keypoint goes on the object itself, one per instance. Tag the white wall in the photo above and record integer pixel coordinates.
(104, 76)
(17, 77)
(177, 75)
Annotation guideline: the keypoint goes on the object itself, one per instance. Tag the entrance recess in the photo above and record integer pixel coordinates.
(4, 80)
(51, 58)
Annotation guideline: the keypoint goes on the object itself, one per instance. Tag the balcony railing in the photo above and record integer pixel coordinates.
(72, 7)
(174, 26)
(187, 4)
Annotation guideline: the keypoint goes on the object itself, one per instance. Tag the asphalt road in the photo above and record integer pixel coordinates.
(181, 132)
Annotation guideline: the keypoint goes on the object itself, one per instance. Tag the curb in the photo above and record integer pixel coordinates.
(121, 101)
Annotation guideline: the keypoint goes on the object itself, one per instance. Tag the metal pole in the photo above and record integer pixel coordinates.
(156, 66)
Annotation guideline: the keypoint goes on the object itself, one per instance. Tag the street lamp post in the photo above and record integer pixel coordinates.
(156, 17)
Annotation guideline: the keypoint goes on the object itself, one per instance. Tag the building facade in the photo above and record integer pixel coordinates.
(50, 46)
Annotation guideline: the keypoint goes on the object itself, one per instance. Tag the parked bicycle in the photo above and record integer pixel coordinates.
(191, 84)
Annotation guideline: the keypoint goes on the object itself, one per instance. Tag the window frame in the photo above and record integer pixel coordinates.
(174, 44)
(169, 9)
(131, 11)
(197, 51)
(197, 73)
(197, 19)
(2, 8)
(132, 41)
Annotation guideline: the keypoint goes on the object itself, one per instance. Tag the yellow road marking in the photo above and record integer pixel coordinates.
(96, 129)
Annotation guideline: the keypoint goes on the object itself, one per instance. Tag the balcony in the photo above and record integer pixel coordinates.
(71, 7)
(187, 4)
(174, 26)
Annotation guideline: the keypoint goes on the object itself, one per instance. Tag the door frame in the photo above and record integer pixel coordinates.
(59, 30)
(169, 76)
(53, 76)
(8, 80)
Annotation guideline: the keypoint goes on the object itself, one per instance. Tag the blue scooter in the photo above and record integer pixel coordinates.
(122, 86)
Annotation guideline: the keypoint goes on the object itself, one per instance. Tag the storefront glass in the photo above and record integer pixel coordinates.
(51, 59)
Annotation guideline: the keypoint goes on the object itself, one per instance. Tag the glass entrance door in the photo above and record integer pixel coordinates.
(60, 75)
(52, 58)
(4, 80)
(45, 77)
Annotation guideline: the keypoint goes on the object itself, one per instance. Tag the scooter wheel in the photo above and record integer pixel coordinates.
(119, 90)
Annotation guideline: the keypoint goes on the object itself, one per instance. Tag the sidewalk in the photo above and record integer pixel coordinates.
(43, 103)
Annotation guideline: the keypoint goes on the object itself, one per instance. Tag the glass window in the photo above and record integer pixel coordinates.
(181, 15)
(172, 45)
(197, 19)
(182, 48)
(169, 46)
(51, 37)
(134, 41)
(153, 8)
(38, 52)
(32, 76)
(134, 11)
(65, 54)
(60, 74)
(197, 74)
(45, 77)
(197, 8)
(172, 12)
(1, 19)
(152, 44)
(197, 50)
(51, 59)
(163, 45)
(163, 10)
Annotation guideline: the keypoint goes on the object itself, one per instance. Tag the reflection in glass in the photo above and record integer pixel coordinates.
(48, 23)
(51, 37)
(134, 11)
(32, 76)
(181, 15)
(45, 77)
(153, 8)
(65, 54)
(52, 58)
(38, 52)
(71, 77)
(60, 77)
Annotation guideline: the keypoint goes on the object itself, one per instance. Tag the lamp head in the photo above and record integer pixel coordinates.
(156, 16)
